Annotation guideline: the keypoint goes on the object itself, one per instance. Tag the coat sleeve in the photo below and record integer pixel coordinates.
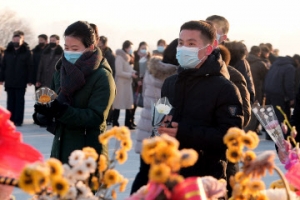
(120, 69)
(30, 68)
(111, 61)
(228, 113)
(295, 119)
(289, 81)
(99, 103)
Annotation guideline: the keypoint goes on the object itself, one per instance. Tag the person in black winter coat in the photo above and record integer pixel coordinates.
(279, 86)
(107, 53)
(238, 60)
(16, 73)
(36, 55)
(206, 103)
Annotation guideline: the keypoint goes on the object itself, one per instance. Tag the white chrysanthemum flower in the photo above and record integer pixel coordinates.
(80, 172)
(66, 168)
(163, 109)
(83, 190)
(76, 157)
(90, 164)
(72, 193)
(44, 197)
(70, 177)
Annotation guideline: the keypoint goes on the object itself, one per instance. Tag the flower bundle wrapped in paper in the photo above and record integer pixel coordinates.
(87, 175)
(267, 118)
(159, 110)
(44, 95)
(165, 160)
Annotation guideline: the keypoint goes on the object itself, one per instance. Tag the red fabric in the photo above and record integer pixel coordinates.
(14, 153)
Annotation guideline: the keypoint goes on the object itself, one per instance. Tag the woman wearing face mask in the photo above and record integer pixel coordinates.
(161, 45)
(86, 90)
(123, 78)
(141, 57)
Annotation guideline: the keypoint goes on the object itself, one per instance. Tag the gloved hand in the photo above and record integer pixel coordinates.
(53, 109)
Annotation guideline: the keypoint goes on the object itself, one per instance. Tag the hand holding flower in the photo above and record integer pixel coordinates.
(169, 131)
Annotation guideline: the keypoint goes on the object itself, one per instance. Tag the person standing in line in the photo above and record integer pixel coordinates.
(49, 58)
(16, 74)
(107, 53)
(161, 46)
(86, 90)
(37, 53)
(158, 69)
(259, 71)
(123, 79)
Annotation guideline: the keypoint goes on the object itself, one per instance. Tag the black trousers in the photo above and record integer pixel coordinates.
(141, 178)
(116, 114)
(15, 104)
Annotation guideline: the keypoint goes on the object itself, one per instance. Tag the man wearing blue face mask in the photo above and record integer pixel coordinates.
(206, 103)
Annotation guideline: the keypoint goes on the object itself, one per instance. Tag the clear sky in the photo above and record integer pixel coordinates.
(254, 21)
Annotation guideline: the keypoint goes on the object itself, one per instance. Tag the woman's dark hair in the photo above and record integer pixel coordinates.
(161, 41)
(141, 44)
(169, 55)
(94, 26)
(238, 51)
(126, 44)
(83, 31)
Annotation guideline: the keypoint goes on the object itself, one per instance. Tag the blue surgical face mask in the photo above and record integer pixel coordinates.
(72, 56)
(143, 51)
(218, 37)
(129, 51)
(160, 49)
(188, 56)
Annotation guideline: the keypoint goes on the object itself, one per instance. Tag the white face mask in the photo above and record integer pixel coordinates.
(218, 37)
(187, 57)
(143, 51)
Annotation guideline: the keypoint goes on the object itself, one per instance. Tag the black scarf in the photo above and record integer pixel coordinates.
(72, 76)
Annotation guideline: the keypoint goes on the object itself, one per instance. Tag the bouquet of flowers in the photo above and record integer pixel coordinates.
(159, 110)
(87, 175)
(247, 183)
(165, 160)
(44, 95)
(266, 116)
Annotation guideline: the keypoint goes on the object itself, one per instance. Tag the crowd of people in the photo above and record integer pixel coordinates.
(211, 82)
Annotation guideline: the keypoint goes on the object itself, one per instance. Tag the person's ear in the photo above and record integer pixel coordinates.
(92, 47)
(223, 38)
(215, 44)
(209, 49)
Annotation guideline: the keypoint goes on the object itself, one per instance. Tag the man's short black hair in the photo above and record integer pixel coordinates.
(18, 33)
(126, 44)
(222, 22)
(103, 39)
(255, 50)
(207, 30)
(44, 36)
(54, 36)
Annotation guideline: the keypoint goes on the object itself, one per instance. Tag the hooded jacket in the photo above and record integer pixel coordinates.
(280, 79)
(16, 70)
(155, 75)
(206, 105)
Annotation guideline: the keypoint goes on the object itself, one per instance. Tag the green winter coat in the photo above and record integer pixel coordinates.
(85, 119)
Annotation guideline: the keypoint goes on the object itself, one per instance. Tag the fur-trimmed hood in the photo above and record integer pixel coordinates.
(37, 48)
(58, 50)
(23, 48)
(123, 54)
(160, 70)
(225, 54)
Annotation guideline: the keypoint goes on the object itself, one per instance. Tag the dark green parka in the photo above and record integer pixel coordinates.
(85, 119)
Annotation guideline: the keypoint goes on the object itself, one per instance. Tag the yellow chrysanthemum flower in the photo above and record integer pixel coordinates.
(122, 133)
(111, 177)
(56, 168)
(241, 178)
(121, 156)
(164, 153)
(255, 186)
(126, 144)
(261, 197)
(248, 157)
(102, 164)
(150, 144)
(175, 179)
(171, 141)
(104, 137)
(123, 185)
(26, 182)
(90, 152)
(148, 156)
(255, 138)
(174, 162)
(234, 154)
(159, 173)
(95, 183)
(188, 157)
(60, 186)
(248, 141)
(235, 143)
(233, 134)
